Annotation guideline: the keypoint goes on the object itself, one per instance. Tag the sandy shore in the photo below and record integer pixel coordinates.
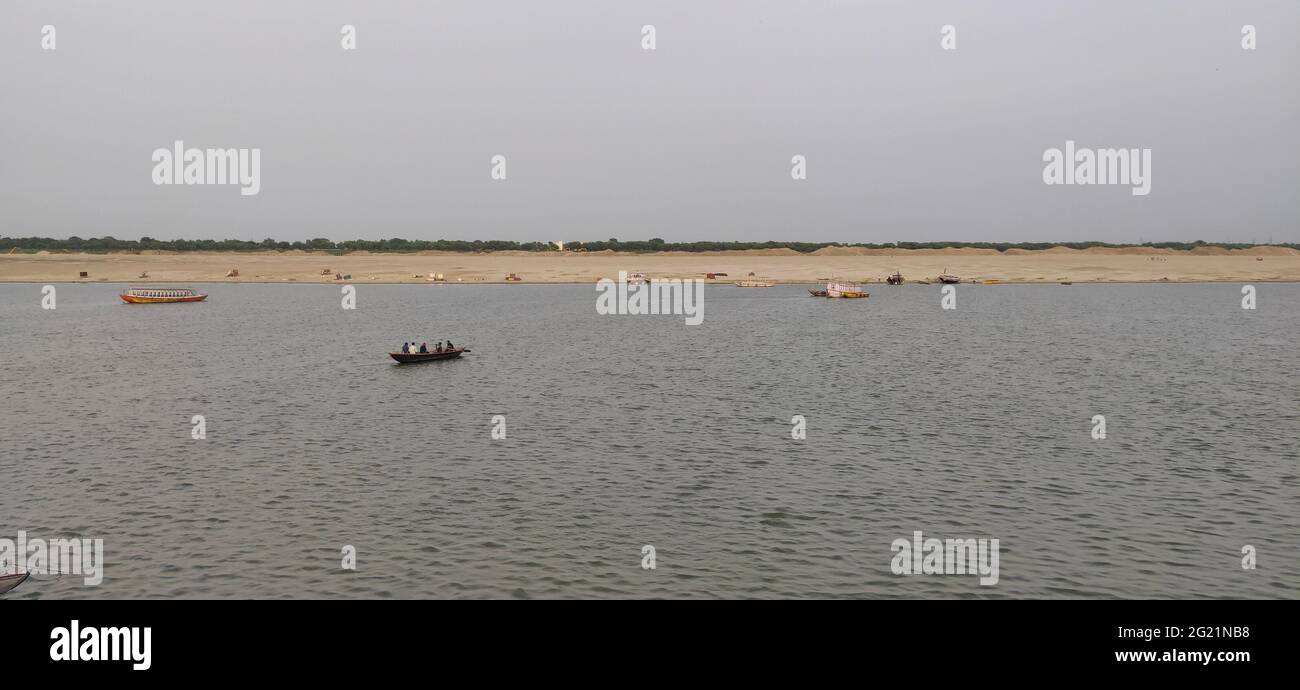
(1260, 264)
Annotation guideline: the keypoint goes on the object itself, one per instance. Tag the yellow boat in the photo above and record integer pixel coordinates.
(842, 290)
(161, 295)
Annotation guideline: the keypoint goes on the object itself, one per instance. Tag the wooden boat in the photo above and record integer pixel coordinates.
(842, 290)
(161, 295)
(896, 279)
(415, 358)
(8, 582)
(817, 293)
(753, 282)
(949, 278)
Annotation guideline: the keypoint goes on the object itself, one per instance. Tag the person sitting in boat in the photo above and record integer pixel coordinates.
(404, 346)
(424, 348)
(438, 346)
(450, 346)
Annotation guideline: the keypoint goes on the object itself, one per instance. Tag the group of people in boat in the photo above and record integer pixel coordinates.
(423, 348)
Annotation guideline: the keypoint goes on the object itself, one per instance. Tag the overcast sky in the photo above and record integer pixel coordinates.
(692, 141)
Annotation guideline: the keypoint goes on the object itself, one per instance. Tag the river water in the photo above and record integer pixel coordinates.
(627, 431)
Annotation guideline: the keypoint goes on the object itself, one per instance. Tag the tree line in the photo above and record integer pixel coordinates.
(107, 244)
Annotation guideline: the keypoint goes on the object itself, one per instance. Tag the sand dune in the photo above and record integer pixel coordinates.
(853, 263)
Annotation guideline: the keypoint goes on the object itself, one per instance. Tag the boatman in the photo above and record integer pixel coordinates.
(404, 350)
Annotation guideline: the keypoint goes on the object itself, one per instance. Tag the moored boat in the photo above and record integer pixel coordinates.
(896, 279)
(817, 293)
(948, 278)
(161, 295)
(415, 357)
(753, 282)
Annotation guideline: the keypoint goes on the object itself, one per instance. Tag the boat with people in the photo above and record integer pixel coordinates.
(896, 279)
(161, 295)
(416, 357)
(412, 354)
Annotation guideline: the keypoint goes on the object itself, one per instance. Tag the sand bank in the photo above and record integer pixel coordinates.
(1261, 264)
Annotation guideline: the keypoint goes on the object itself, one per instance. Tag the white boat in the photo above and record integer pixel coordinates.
(845, 290)
(753, 281)
(637, 279)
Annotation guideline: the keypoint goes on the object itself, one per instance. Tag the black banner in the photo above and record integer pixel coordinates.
(940, 640)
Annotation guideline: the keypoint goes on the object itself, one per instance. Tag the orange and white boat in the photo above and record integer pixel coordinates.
(845, 290)
(161, 295)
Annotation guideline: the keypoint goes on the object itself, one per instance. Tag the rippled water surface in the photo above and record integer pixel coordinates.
(631, 430)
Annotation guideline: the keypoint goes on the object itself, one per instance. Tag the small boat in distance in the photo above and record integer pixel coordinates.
(896, 279)
(817, 293)
(161, 295)
(416, 357)
(8, 582)
(947, 277)
(843, 290)
(753, 282)
(637, 279)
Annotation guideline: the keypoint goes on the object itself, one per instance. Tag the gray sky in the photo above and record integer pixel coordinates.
(692, 141)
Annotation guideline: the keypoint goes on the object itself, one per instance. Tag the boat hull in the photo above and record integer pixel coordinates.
(418, 357)
(8, 582)
(133, 299)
